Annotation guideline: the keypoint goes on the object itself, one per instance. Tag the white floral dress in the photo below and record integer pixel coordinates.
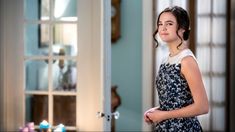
(174, 93)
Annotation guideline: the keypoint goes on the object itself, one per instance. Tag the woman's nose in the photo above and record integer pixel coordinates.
(164, 27)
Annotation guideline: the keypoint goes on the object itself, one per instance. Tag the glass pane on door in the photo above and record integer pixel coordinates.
(65, 10)
(64, 110)
(37, 39)
(64, 75)
(37, 9)
(65, 38)
(44, 9)
(36, 73)
(50, 50)
(36, 108)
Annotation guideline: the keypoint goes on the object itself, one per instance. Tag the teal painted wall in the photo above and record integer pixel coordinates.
(126, 66)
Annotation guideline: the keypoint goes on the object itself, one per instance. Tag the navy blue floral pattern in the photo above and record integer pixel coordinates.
(174, 93)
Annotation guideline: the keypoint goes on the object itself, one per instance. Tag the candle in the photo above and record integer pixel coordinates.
(30, 125)
(44, 126)
(60, 128)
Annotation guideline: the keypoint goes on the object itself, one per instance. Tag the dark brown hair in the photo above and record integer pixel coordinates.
(182, 19)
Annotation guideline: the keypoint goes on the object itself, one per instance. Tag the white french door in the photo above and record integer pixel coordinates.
(57, 63)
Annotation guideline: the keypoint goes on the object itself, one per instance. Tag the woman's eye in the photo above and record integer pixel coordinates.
(169, 24)
(159, 24)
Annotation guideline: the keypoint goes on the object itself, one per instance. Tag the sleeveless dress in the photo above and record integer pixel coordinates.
(174, 93)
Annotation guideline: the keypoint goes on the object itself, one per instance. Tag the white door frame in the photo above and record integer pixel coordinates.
(147, 59)
(94, 33)
(11, 64)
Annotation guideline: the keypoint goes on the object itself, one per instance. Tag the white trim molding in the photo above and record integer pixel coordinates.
(2, 56)
(106, 59)
(11, 60)
(147, 59)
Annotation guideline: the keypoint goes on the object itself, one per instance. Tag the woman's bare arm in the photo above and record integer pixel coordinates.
(191, 72)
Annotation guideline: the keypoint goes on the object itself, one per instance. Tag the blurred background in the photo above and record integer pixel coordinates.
(49, 45)
(212, 41)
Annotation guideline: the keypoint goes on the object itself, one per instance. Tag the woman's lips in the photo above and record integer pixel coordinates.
(164, 33)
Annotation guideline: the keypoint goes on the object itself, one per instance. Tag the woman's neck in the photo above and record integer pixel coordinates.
(174, 49)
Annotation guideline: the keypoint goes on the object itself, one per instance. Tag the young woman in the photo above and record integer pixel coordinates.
(181, 91)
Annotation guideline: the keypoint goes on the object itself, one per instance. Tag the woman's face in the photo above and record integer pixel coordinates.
(167, 27)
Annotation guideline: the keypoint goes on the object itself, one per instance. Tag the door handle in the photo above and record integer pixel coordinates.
(101, 115)
(108, 117)
(116, 115)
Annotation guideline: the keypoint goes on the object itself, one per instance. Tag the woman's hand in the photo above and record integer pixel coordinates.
(146, 114)
(156, 115)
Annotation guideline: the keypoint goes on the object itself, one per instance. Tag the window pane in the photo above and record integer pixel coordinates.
(36, 108)
(218, 118)
(203, 6)
(203, 55)
(207, 84)
(36, 39)
(36, 75)
(44, 36)
(211, 37)
(64, 110)
(203, 30)
(219, 60)
(64, 75)
(65, 37)
(218, 85)
(219, 6)
(31, 9)
(162, 52)
(65, 10)
(162, 4)
(219, 30)
(205, 121)
(44, 9)
(36, 9)
(181, 3)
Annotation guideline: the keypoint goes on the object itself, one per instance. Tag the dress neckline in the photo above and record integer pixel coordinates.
(178, 53)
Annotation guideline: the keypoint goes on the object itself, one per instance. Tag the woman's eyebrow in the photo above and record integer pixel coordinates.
(170, 21)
